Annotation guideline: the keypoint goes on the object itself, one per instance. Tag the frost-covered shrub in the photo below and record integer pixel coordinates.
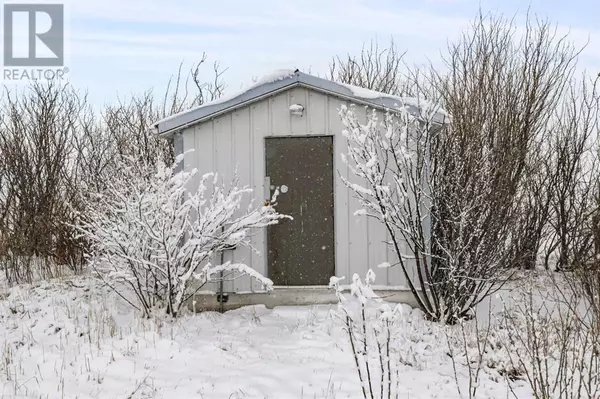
(150, 233)
(387, 341)
(378, 343)
(399, 183)
(549, 338)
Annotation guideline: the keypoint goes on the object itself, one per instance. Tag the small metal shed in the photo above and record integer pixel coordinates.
(284, 131)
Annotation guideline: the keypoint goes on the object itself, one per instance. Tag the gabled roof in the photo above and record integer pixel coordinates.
(284, 80)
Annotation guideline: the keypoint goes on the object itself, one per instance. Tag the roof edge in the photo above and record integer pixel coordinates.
(285, 80)
(216, 114)
(269, 85)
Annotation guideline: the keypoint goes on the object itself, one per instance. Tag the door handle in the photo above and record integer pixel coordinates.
(267, 188)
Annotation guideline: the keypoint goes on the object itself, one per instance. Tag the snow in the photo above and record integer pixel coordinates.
(75, 338)
(275, 76)
(360, 189)
(368, 94)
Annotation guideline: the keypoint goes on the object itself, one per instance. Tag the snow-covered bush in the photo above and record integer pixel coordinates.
(388, 341)
(150, 233)
(470, 349)
(373, 331)
(400, 181)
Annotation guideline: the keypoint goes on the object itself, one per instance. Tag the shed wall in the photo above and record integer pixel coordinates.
(234, 143)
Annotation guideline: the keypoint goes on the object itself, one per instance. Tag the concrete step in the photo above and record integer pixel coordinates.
(287, 296)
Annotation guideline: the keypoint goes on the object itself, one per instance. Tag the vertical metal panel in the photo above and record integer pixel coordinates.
(298, 123)
(377, 241)
(223, 148)
(280, 115)
(358, 231)
(178, 150)
(334, 126)
(204, 156)
(395, 274)
(260, 117)
(188, 138)
(204, 151)
(224, 166)
(242, 163)
(377, 249)
(315, 113)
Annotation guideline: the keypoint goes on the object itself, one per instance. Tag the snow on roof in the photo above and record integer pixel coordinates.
(365, 93)
(368, 94)
(281, 80)
(277, 75)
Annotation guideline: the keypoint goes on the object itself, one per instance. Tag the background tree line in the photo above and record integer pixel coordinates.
(57, 153)
(515, 100)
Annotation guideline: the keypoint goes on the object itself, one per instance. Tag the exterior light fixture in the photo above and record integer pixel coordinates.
(297, 109)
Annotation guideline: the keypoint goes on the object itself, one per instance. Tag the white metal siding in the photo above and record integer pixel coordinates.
(236, 141)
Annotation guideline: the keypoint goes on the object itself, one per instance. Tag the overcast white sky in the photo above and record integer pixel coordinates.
(124, 46)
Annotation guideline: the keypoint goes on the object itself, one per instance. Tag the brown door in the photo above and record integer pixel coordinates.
(301, 251)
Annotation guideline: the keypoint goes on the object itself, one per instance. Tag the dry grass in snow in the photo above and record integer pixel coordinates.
(73, 338)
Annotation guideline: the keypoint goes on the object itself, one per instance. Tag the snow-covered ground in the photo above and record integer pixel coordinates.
(73, 338)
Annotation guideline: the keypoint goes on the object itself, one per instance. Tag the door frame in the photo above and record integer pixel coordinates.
(265, 249)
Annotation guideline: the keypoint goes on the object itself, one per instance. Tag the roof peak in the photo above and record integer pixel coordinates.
(282, 79)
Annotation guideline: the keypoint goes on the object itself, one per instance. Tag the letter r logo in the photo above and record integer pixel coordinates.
(33, 35)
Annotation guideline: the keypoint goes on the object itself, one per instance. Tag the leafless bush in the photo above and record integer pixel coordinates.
(126, 127)
(178, 97)
(386, 340)
(389, 165)
(36, 130)
(469, 346)
(56, 153)
(373, 330)
(399, 184)
(584, 278)
(502, 90)
(575, 183)
(489, 201)
(375, 68)
(534, 209)
(550, 336)
(126, 123)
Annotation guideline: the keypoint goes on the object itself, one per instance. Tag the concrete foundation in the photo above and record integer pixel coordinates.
(288, 296)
